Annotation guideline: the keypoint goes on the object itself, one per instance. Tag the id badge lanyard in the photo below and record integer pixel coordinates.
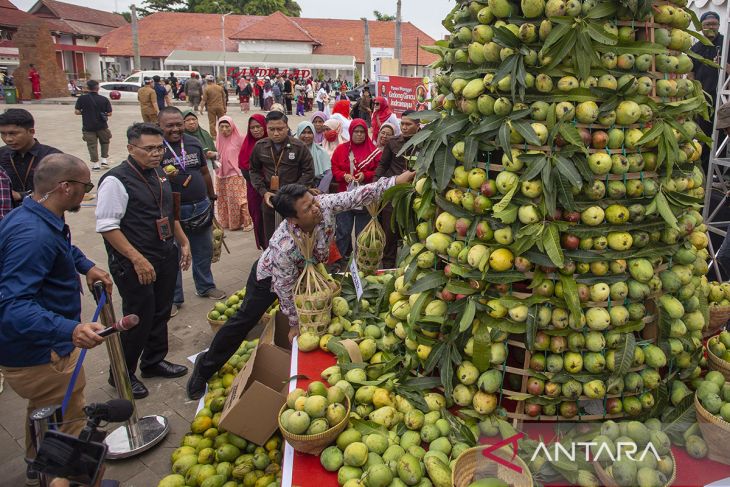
(164, 228)
(180, 160)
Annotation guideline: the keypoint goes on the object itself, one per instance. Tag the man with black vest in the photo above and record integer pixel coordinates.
(136, 215)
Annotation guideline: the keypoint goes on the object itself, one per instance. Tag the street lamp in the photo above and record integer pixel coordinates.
(223, 42)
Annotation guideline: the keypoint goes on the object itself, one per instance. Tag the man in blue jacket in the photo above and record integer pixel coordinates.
(40, 303)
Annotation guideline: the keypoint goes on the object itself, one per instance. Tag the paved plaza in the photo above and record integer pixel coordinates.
(189, 331)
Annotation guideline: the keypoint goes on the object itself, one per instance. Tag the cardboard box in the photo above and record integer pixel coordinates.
(259, 391)
(276, 332)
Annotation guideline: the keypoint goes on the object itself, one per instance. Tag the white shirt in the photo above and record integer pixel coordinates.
(345, 126)
(321, 95)
(111, 204)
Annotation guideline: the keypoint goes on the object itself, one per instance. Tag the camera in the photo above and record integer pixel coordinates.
(79, 460)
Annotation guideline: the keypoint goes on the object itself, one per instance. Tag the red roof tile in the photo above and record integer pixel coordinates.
(160, 34)
(12, 17)
(275, 27)
(347, 37)
(163, 32)
(77, 13)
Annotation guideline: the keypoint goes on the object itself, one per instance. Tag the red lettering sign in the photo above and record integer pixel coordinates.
(234, 72)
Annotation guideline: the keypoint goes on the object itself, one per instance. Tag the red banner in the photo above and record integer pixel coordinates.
(403, 93)
(234, 72)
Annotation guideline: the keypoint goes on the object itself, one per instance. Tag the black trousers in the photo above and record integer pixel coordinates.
(287, 101)
(146, 343)
(257, 300)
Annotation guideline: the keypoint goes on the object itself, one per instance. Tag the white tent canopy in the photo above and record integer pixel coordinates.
(218, 58)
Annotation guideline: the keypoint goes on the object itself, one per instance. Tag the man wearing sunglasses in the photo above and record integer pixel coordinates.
(136, 216)
(40, 292)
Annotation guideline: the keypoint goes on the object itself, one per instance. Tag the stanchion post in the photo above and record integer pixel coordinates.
(136, 435)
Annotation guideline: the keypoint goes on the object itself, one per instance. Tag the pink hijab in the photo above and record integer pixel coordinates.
(333, 135)
(228, 149)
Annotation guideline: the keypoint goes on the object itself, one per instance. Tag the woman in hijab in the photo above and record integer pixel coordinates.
(192, 127)
(256, 132)
(383, 114)
(332, 136)
(232, 204)
(322, 163)
(341, 112)
(386, 132)
(354, 163)
(318, 119)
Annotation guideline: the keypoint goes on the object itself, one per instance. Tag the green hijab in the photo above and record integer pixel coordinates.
(322, 162)
(202, 135)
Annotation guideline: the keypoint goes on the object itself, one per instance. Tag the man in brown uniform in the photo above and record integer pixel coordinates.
(214, 99)
(277, 160)
(393, 165)
(148, 102)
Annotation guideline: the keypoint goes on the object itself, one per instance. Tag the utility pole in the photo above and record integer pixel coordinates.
(368, 58)
(223, 42)
(398, 35)
(135, 37)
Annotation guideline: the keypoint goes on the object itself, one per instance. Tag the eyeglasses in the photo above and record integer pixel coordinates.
(151, 150)
(87, 186)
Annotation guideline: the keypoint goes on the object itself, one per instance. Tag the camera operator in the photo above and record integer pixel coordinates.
(40, 302)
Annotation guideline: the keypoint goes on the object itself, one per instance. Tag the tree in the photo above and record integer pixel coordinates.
(242, 7)
(127, 15)
(383, 17)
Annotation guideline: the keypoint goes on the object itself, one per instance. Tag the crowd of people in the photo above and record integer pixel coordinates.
(154, 213)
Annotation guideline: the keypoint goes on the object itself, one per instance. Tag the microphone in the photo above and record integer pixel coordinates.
(126, 323)
(114, 411)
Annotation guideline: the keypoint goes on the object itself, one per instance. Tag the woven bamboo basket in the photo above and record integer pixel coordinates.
(370, 243)
(719, 316)
(215, 325)
(718, 364)
(608, 481)
(312, 292)
(715, 431)
(314, 444)
(472, 465)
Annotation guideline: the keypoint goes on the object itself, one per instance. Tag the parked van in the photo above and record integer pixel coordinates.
(139, 76)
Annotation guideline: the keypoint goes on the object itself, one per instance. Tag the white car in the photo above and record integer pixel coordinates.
(128, 91)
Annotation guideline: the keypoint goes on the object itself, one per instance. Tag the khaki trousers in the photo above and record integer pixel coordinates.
(214, 113)
(45, 385)
(149, 117)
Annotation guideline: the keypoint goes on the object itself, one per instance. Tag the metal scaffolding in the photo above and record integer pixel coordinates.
(719, 162)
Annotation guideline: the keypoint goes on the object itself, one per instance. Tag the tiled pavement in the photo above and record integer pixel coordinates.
(189, 332)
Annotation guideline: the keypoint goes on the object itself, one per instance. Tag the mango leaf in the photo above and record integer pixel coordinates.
(568, 170)
(471, 149)
(534, 167)
(444, 168)
(563, 47)
(603, 9)
(459, 431)
(489, 124)
(665, 210)
(680, 419)
(506, 199)
(598, 33)
(565, 192)
(571, 135)
(551, 242)
(504, 141)
(508, 214)
(416, 140)
(368, 427)
(526, 131)
(557, 33)
(467, 317)
(434, 358)
(625, 356)
(531, 327)
(482, 353)
(428, 282)
(415, 312)
(460, 287)
(570, 294)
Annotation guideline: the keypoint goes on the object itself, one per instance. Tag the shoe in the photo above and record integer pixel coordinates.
(196, 382)
(32, 478)
(214, 293)
(165, 369)
(104, 162)
(139, 391)
(96, 167)
(174, 310)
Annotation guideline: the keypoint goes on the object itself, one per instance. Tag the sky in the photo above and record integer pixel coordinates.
(425, 14)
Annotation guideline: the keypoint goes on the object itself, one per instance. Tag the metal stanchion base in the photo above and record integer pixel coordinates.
(152, 430)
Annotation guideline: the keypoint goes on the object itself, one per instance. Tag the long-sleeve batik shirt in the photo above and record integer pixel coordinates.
(283, 261)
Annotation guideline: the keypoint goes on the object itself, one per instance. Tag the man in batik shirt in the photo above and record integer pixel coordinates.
(276, 272)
